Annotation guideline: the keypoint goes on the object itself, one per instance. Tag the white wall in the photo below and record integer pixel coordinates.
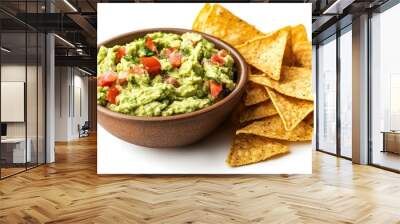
(61, 103)
(71, 93)
(80, 101)
(14, 72)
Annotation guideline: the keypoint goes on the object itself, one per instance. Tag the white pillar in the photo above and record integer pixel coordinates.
(50, 109)
(50, 93)
(360, 90)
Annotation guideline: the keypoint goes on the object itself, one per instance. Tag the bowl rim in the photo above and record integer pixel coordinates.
(239, 85)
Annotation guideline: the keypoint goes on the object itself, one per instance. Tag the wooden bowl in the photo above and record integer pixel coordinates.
(176, 130)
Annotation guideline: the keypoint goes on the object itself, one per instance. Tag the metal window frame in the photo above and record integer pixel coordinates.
(326, 40)
(369, 77)
(339, 32)
(338, 98)
(0, 92)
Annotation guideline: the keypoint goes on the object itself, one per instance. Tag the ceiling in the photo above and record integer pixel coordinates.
(76, 21)
(76, 25)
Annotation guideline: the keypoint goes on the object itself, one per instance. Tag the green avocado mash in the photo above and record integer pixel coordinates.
(163, 74)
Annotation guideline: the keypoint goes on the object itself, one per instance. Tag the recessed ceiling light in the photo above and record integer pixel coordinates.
(70, 5)
(338, 6)
(5, 50)
(65, 41)
(84, 71)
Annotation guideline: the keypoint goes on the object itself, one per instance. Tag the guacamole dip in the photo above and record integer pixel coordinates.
(163, 74)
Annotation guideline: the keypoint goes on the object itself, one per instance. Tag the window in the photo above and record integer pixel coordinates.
(385, 89)
(346, 92)
(327, 96)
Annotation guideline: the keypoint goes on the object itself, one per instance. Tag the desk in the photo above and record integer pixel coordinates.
(391, 141)
(15, 148)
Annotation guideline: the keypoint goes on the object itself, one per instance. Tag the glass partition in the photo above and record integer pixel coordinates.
(14, 153)
(23, 90)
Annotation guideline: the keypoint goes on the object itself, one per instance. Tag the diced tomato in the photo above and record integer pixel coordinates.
(215, 88)
(216, 59)
(222, 53)
(120, 54)
(107, 79)
(119, 87)
(112, 94)
(175, 59)
(122, 78)
(151, 64)
(136, 70)
(150, 44)
(167, 52)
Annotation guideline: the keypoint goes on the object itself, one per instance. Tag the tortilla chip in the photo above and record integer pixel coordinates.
(264, 109)
(295, 82)
(309, 119)
(266, 53)
(288, 58)
(302, 52)
(247, 149)
(291, 110)
(273, 127)
(298, 34)
(255, 94)
(301, 47)
(201, 17)
(225, 25)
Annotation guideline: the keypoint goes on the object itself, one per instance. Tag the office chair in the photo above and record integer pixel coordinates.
(84, 130)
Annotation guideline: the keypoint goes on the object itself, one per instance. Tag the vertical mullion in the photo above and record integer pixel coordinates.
(69, 92)
(0, 94)
(46, 3)
(80, 102)
(60, 87)
(369, 95)
(73, 92)
(338, 73)
(26, 86)
(37, 88)
(45, 95)
(316, 96)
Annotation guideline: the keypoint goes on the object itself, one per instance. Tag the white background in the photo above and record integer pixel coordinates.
(208, 156)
